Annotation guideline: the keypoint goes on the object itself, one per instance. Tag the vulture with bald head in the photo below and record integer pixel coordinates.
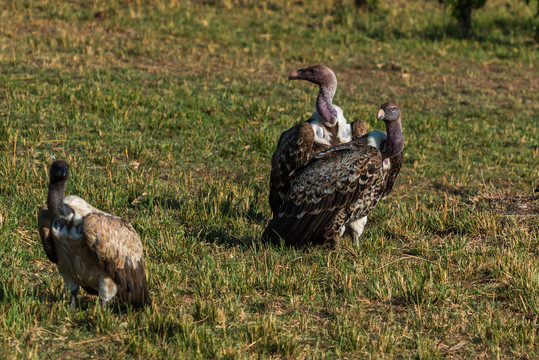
(94, 250)
(326, 127)
(337, 188)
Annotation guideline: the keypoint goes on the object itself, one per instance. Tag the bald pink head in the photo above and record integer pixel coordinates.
(318, 74)
(389, 111)
(325, 78)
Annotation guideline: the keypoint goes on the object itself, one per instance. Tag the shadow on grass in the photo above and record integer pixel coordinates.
(53, 295)
(223, 236)
(226, 207)
(88, 302)
(453, 190)
(255, 215)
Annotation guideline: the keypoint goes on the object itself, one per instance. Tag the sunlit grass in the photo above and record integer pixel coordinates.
(168, 113)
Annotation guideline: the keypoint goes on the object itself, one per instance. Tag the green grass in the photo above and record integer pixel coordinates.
(168, 113)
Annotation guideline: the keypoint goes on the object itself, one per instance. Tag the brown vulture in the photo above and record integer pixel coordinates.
(339, 186)
(326, 127)
(94, 250)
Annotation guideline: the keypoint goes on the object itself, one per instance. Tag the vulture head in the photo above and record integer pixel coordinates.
(325, 78)
(58, 174)
(320, 75)
(389, 112)
(59, 171)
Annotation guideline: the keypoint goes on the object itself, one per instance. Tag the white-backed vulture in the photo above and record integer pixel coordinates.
(94, 250)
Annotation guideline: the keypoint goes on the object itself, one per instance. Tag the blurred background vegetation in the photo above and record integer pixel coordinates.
(461, 10)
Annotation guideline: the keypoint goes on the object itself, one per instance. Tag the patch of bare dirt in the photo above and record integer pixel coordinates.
(507, 203)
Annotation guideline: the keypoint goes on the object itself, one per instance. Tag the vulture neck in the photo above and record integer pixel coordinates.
(55, 201)
(395, 142)
(324, 107)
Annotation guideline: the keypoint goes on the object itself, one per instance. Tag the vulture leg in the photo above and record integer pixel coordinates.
(73, 298)
(107, 290)
(337, 238)
(73, 289)
(355, 229)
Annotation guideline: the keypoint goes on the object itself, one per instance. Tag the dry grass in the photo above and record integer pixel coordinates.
(168, 113)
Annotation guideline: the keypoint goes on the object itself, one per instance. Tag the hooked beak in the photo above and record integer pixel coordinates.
(294, 75)
(381, 114)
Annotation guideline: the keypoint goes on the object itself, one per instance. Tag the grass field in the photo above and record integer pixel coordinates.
(168, 113)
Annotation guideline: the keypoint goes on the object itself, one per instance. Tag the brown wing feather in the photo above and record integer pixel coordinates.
(295, 146)
(319, 191)
(359, 128)
(118, 249)
(44, 221)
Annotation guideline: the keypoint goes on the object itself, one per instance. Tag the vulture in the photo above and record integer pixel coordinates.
(99, 252)
(338, 187)
(325, 128)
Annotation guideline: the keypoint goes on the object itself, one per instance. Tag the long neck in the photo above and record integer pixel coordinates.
(324, 106)
(395, 142)
(55, 200)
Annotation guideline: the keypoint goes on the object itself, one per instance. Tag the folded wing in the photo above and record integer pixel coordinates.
(321, 191)
(293, 149)
(118, 249)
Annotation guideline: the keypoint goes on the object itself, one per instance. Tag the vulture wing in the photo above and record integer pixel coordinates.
(44, 221)
(320, 192)
(118, 249)
(293, 149)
